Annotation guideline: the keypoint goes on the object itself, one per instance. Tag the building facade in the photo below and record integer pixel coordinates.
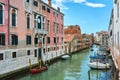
(34, 29)
(114, 34)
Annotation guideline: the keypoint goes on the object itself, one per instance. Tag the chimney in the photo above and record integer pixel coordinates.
(49, 2)
(58, 9)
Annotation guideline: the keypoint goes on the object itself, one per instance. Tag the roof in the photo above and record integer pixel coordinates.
(68, 37)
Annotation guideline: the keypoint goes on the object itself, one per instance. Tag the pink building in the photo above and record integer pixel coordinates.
(54, 25)
(35, 31)
(4, 23)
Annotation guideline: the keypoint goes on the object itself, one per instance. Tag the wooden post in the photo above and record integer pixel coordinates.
(88, 75)
(30, 63)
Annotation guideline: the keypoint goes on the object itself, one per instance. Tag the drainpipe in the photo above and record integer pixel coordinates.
(8, 22)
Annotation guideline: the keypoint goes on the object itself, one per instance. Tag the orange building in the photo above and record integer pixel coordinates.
(75, 30)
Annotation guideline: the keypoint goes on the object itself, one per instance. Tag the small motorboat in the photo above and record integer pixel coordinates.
(64, 57)
(38, 70)
(98, 65)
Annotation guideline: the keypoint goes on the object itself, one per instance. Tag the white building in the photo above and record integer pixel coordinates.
(114, 34)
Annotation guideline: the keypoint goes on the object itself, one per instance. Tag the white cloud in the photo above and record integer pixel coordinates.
(79, 1)
(95, 5)
(60, 3)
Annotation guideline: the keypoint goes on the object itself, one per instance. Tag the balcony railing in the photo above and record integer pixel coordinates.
(40, 31)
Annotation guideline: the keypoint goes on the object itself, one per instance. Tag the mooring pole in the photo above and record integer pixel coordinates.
(88, 75)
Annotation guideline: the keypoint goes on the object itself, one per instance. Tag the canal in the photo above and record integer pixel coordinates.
(75, 68)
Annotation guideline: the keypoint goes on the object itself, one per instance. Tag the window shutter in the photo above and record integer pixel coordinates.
(28, 22)
(13, 19)
(3, 39)
(1, 16)
(36, 40)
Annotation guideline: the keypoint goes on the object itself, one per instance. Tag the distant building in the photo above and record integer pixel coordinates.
(75, 30)
(87, 40)
(101, 38)
(70, 43)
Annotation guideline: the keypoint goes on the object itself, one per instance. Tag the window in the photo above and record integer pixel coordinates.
(54, 39)
(1, 56)
(35, 21)
(28, 52)
(39, 22)
(118, 38)
(36, 3)
(27, 1)
(13, 17)
(118, 10)
(1, 14)
(48, 25)
(36, 40)
(48, 10)
(14, 39)
(44, 50)
(43, 7)
(57, 27)
(62, 29)
(35, 52)
(54, 27)
(2, 39)
(58, 39)
(44, 40)
(13, 54)
(48, 49)
(53, 13)
(28, 21)
(43, 23)
(48, 40)
(28, 40)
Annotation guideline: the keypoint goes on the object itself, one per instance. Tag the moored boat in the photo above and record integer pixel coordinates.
(38, 70)
(98, 65)
(64, 57)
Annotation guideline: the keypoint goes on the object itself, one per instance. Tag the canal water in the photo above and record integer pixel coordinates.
(75, 68)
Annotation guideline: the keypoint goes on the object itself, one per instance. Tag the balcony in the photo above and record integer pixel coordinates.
(40, 31)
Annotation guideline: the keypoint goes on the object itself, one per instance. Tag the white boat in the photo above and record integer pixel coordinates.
(98, 65)
(64, 57)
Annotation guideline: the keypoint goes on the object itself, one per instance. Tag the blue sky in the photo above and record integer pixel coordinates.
(90, 15)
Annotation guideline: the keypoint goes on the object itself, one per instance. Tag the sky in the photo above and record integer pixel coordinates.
(91, 15)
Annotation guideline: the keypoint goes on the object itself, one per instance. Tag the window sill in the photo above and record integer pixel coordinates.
(2, 25)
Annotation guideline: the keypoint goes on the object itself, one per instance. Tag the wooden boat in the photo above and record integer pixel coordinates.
(64, 57)
(38, 70)
(98, 65)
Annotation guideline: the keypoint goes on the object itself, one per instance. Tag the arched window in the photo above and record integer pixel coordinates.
(1, 14)
(28, 21)
(39, 22)
(13, 17)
